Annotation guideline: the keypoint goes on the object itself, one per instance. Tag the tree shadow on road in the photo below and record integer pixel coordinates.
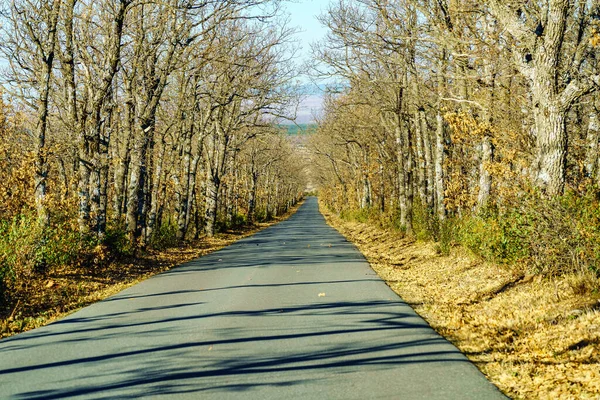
(124, 348)
(169, 368)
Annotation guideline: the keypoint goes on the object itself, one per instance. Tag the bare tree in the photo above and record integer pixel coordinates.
(29, 45)
(551, 48)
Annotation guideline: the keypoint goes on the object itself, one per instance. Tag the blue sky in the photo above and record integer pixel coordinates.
(303, 15)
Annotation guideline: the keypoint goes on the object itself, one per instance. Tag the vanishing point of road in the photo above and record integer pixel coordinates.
(293, 312)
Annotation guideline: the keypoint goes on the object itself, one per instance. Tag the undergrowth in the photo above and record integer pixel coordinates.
(26, 249)
(164, 237)
(539, 235)
(550, 236)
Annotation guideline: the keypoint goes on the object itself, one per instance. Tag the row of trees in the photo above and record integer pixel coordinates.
(147, 114)
(458, 106)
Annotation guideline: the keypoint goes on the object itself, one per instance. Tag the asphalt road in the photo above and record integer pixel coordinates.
(292, 312)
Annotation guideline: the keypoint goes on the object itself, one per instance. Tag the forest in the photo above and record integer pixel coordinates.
(460, 154)
(467, 122)
(129, 125)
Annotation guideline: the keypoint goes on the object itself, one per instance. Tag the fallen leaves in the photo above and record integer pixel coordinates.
(35, 305)
(534, 338)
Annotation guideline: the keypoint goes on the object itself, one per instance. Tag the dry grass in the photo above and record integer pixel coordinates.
(45, 299)
(534, 337)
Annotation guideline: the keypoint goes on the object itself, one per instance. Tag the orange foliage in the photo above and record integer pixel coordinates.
(16, 164)
(595, 36)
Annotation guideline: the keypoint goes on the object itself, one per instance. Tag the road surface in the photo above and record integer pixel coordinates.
(294, 311)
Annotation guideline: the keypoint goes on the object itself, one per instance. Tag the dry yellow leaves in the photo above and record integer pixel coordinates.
(527, 340)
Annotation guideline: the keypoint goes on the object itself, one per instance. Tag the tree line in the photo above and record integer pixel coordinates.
(140, 116)
(463, 109)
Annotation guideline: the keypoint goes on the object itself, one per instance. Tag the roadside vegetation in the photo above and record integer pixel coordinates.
(128, 129)
(37, 299)
(462, 155)
(444, 128)
(459, 148)
(533, 336)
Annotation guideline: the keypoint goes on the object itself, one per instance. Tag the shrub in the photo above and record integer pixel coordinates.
(362, 215)
(547, 235)
(117, 241)
(164, 237)
(27, 249)
(447, 235)
(426, 225)
(238, 220)
(496, 237)
(22, 245)
(552, 236)
(566, 234)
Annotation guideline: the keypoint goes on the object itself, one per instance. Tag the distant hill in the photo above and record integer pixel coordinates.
(300, 129)
(319, 89)
(311, 105)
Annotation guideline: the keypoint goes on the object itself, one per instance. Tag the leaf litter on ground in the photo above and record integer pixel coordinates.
(534, 337)
(46, 298)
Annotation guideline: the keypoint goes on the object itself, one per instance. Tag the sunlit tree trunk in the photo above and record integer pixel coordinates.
(538, 54)
(592, 141)
(212, 198)
(487, 147)
(32, 39)
(153, 213)
(138, 173)
(440, 135)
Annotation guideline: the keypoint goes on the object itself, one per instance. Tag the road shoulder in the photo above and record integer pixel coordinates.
(532, 337)
(62, 292)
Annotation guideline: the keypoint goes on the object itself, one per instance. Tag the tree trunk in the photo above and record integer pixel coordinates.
(276, 208)
(137, 182)
(550, 103)
(231, 191)
(198, 222)
(382, 187)
(41, 162)
(420, 161)
(120, 182)
(97, 180)
(427, 153)
(152, 222)
(487, 147)
(83, 185)
(183, 186)
(99, 174)
(409, 182)
(212, 197)
(365, 200)
(94, 184)
(401, 177)
(551, 146)
(252, 196)
(440, 134)
(592, 154)
(485, 178)
(46, 51)
(191, 192)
